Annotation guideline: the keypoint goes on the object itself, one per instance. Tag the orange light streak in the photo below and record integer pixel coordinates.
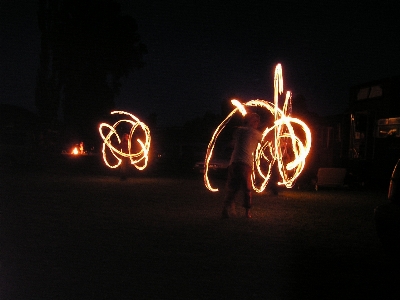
(275, 141)
(240, 106)
(111, 142)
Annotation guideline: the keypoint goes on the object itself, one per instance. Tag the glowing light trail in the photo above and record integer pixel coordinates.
(275, 143)
(112, 142)
(240, 106)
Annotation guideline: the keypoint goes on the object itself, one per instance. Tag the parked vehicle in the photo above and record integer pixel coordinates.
(215, 165)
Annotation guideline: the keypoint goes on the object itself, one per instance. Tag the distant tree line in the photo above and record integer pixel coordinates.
(87, 46)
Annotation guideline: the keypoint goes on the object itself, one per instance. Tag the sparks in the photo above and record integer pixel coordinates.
(111, 142)
(277, 140)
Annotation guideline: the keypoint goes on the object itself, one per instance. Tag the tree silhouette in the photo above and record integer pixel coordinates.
(87, 47)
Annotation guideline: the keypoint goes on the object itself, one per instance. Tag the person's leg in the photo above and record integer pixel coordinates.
(248, 187)
(273, 181)
(232, 188)
(124, 170)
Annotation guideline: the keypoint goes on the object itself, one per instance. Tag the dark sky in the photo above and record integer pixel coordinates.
(201, 54)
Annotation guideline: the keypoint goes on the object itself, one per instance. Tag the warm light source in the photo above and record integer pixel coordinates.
(285, 135)
(75, 151)
(240, 106)
(112, 141)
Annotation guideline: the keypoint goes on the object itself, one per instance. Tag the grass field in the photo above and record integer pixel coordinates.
(71, 236)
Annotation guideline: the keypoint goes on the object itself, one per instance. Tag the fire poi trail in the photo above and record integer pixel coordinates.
(112, 141)
(286, 133)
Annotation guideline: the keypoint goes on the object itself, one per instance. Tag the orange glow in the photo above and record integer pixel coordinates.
(280, 141)
(112, 141)
(75, 151)
(240, 106)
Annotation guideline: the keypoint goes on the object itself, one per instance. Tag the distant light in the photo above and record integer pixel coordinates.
(75, 151)
(276, 140)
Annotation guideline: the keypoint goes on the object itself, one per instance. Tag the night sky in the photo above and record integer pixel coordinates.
(202, 54)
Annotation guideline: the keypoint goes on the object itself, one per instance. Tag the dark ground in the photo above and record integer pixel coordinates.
(68, 234)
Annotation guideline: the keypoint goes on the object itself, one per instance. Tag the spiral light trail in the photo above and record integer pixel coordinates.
(283, 135)
(112, 141)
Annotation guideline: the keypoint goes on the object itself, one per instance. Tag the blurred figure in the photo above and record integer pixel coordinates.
(246, 139)
(274, 179)
(275, 175)
(81, 148)
(125, 161)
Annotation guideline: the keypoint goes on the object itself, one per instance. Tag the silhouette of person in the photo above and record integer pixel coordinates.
(240, 168)
(125, 161)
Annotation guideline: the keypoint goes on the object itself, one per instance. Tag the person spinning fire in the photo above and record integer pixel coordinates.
(246, 139)
(125, 161)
